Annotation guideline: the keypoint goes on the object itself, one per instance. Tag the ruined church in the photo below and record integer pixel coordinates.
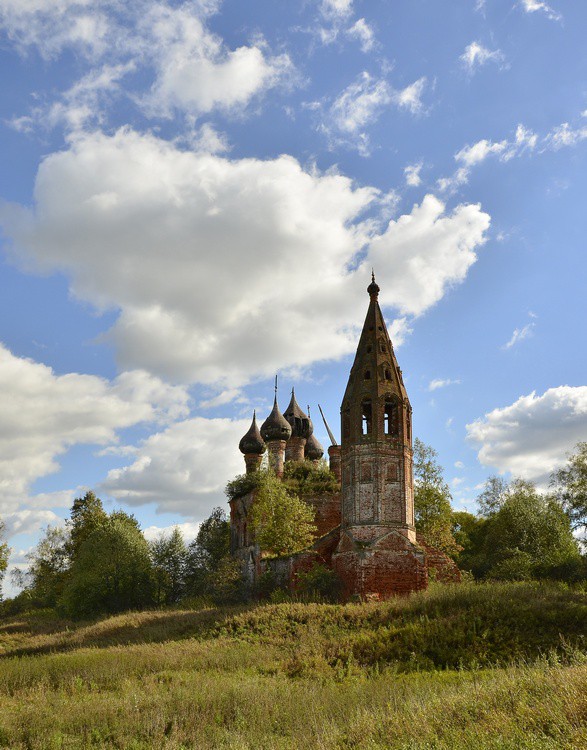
(366, 532)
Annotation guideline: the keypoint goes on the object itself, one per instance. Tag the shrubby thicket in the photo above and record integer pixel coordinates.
(100, 562)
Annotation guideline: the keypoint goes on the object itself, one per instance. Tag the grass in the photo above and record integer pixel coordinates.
(485, 667)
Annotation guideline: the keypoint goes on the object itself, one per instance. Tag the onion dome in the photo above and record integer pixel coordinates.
(301, 424)
(252, 442)
(373, 288)
(313, 450)
(275, 427)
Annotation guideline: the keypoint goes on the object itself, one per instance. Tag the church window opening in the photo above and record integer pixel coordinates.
(409, 426)
(391, 418)
(388, 374)
(369, 349)
(366, 417)
(367, 375)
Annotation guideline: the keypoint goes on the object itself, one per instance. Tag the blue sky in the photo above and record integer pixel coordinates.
(192, 196)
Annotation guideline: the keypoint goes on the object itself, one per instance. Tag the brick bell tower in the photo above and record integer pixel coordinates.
(377, 555)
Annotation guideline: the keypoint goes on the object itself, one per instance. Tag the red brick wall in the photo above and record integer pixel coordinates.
(386, 567)
(440, 566)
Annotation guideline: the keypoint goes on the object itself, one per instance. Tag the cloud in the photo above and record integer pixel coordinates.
(81, 105)
(412, 173)
(51, 25)
(434, 385)
(224, 397)
(189, 531)
(183, 469)
(410, 98)
(361, 31)
(519, 334)
(422, 254)
(356, 108)
(210, 244)
(476, 55)
(468, 157)
(336, 8)
(44, 414)
(531, 437)
(184, 66)
(533, 6)
(565, 135)
(28, 521)
(359, 106)
(195, 72)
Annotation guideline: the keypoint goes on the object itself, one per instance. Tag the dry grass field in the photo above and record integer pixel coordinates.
(472, 666)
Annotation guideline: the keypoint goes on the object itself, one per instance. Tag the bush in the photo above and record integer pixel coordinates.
(244, 483)
(319, 584)
(306, 478)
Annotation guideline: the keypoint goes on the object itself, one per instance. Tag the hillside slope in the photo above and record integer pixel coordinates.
(412, 673)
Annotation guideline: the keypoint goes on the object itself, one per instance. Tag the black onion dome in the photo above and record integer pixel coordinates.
(252, 442)
(373, 288)
(301, 424)
(313, 450)
(275, 427)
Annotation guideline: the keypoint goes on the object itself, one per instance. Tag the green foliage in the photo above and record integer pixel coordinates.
(494, 494)
(570, 486)
(319, 584)
(48, 568)
(282, 523)
(306, 478)
(111, 572)
(210, 570)
(469, 532)
(432, 500)
(87, 514)
(244, 483)
(169, 556)
(489, 667)
(529, 536)
(4, 555)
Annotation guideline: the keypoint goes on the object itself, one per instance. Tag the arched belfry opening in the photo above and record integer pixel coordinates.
(366, 416)
(391, 416)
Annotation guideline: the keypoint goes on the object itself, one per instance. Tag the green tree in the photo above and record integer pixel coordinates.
(530, 536)
(208, 571)
(570, 487)
(494, 494)
(112, 570)
(86, 515)
(432, 498)
(282, 523)
(469, 532)
(169, 556)
(4, 555)
(48, 565)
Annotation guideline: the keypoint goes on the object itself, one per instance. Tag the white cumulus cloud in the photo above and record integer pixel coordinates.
(44, 414)
(232, 268)
(531, 437)
(183, 469)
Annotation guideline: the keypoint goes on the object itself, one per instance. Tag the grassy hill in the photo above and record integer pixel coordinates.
(471, 666)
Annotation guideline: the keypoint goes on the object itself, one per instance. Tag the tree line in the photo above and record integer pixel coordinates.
(519, 533)
(101, 562)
